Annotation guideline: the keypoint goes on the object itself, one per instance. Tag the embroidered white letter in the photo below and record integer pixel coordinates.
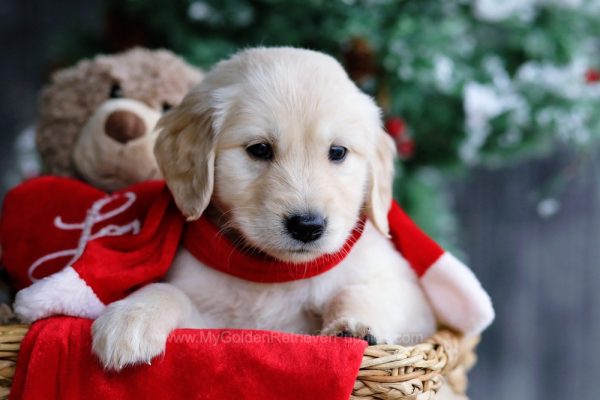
(93, 216)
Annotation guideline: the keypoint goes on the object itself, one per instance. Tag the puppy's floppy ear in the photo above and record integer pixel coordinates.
(379, 198)
(185, 152)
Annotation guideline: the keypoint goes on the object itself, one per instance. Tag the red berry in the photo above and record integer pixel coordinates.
(592, 76)
(406, 148)
(395, 126)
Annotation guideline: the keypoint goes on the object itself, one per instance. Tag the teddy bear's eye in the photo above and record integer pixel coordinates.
(115, 91)
(166, 107)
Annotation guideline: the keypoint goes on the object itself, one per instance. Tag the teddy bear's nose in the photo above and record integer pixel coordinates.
(124, 126)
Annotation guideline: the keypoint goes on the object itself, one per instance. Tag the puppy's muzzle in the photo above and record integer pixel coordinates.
(305, 227)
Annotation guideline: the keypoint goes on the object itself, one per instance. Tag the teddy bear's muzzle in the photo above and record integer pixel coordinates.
(124, 126)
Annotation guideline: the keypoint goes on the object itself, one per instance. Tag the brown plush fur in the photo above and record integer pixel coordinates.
(153, 77)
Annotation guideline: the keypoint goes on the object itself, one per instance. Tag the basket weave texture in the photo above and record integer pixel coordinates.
(11, 337)
(387, 371)
(415, 372)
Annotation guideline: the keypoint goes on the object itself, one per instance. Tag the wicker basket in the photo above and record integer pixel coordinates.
(386, 372)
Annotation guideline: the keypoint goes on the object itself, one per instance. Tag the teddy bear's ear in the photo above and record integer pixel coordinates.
(185, 152)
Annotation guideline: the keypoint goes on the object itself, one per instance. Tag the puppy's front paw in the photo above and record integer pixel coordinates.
(127, 334)
(349, 327)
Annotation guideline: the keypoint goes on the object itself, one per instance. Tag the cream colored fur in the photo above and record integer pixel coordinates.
(301, 102)
(109, 164)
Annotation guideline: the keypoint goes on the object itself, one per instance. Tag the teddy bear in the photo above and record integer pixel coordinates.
(97, 118)
(97, 121)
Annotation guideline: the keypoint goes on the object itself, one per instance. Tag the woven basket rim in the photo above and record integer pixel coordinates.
(387, 371)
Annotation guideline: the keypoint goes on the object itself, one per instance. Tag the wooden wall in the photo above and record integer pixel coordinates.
(543, 275)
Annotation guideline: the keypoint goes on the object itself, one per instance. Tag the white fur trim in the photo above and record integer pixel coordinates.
(61, 293)
(457, 297)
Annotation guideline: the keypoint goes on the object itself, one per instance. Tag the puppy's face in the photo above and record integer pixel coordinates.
(292, 177)
(284, 144)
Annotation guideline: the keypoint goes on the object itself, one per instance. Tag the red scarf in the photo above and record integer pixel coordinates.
(205, 242)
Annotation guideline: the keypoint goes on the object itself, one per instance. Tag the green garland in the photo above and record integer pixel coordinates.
(474, 82)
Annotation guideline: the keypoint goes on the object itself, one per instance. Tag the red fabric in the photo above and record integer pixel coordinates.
(55, 362)
(114, 267)
(415, 246)
(204, 241)
(138, 231)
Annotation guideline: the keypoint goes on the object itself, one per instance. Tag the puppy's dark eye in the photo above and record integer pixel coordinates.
(337, 153)
(115, 91)
(166, 107)
(260, 151)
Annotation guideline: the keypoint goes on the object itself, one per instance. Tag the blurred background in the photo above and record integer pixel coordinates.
(495, 108)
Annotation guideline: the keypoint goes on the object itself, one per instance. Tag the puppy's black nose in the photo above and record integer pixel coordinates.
(305, 227)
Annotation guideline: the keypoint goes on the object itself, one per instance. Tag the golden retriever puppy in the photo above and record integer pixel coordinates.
(281, 150)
